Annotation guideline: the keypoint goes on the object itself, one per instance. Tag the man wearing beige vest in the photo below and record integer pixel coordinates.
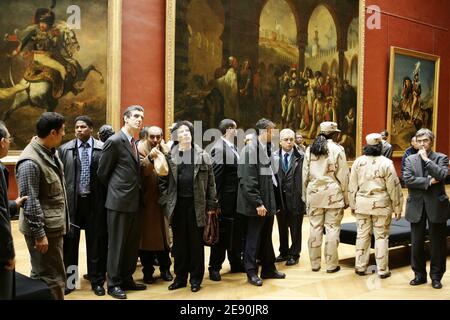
(44, 219)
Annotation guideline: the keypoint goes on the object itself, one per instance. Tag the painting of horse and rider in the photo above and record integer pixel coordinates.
(53, 57)
(413, 95)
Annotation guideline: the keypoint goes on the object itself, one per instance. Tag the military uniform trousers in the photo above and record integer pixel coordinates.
(379, 225)
(330, 218)
(49, 267)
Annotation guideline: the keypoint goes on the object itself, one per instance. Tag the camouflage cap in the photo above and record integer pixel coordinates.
(373, 139)
(329, 127)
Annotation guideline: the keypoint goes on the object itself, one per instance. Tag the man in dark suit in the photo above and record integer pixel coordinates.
(424, 176)
(85, 198)
(292, 207)
(7, 210)
(256, 201)
(119, 171)
(387, 147)
(225, 163)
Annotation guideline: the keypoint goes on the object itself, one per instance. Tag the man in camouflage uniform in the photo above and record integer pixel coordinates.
(325, 181)
(374, 194)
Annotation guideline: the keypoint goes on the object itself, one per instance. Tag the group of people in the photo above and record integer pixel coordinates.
(147, 199)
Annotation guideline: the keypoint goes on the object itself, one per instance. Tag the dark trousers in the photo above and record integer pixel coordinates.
(188, 249)
(288, 221)
(231, 237)
(96, 244)
(438, 240)
(146, 258)
(6, 284)
(123, 245)
(258, 243)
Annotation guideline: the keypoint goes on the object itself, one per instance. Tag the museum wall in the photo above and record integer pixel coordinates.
(410, 24)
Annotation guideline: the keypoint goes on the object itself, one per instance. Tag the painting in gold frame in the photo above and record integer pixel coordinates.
(413, 96)
(94, 31)
(193, 50)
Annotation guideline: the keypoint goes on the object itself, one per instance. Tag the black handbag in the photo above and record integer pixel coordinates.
(211, 230)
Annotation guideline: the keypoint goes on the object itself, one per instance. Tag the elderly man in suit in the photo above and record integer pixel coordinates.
(257, 201)
(427, 203)
(7, 209)
(85, 198)
(225, 159)
(292, 207)
(119, 171)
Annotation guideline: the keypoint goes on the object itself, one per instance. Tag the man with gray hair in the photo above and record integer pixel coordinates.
(119, 171)
(427, 203)
(292, 207)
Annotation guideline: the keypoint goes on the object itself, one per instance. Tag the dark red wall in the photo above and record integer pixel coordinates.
(143, 52)
(411, 24)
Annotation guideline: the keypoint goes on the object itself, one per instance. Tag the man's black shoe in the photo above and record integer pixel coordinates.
(273, 275)
(417, 281)
(149, 279)
(214, 275)
(334, 270)
(281, 258)
(195, 287)
(133, 286)
(177, 285)
(166, 275)
(67, 291)
(360, 273)
(86, 277)
(386, 275)
(255, 280)
(436, 284)
(291, 261)
(117, 292)
(98, 290)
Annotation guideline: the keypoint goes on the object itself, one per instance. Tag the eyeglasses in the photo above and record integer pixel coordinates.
(154, 137)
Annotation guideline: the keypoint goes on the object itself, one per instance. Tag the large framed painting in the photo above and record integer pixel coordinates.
(296, 62)
(413, 96)
(61, 56)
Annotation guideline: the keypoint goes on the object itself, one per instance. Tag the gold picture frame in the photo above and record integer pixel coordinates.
(112, 76)
(172, 50)
(413, 96)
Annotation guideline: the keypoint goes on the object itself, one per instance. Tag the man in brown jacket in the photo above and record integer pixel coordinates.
(155, 231)
(44, 220)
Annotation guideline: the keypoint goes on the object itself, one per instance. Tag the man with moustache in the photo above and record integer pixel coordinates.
(155, 231)
(86, 200)
(119, 171)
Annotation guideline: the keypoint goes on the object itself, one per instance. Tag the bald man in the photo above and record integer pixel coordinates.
(154, 238)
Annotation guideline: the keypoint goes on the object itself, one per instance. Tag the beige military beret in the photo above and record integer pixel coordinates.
(373, 139)
(328, 127)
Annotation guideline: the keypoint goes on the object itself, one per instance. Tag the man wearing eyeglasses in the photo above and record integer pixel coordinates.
(7, 210)
(155, 231)
(290, 215)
